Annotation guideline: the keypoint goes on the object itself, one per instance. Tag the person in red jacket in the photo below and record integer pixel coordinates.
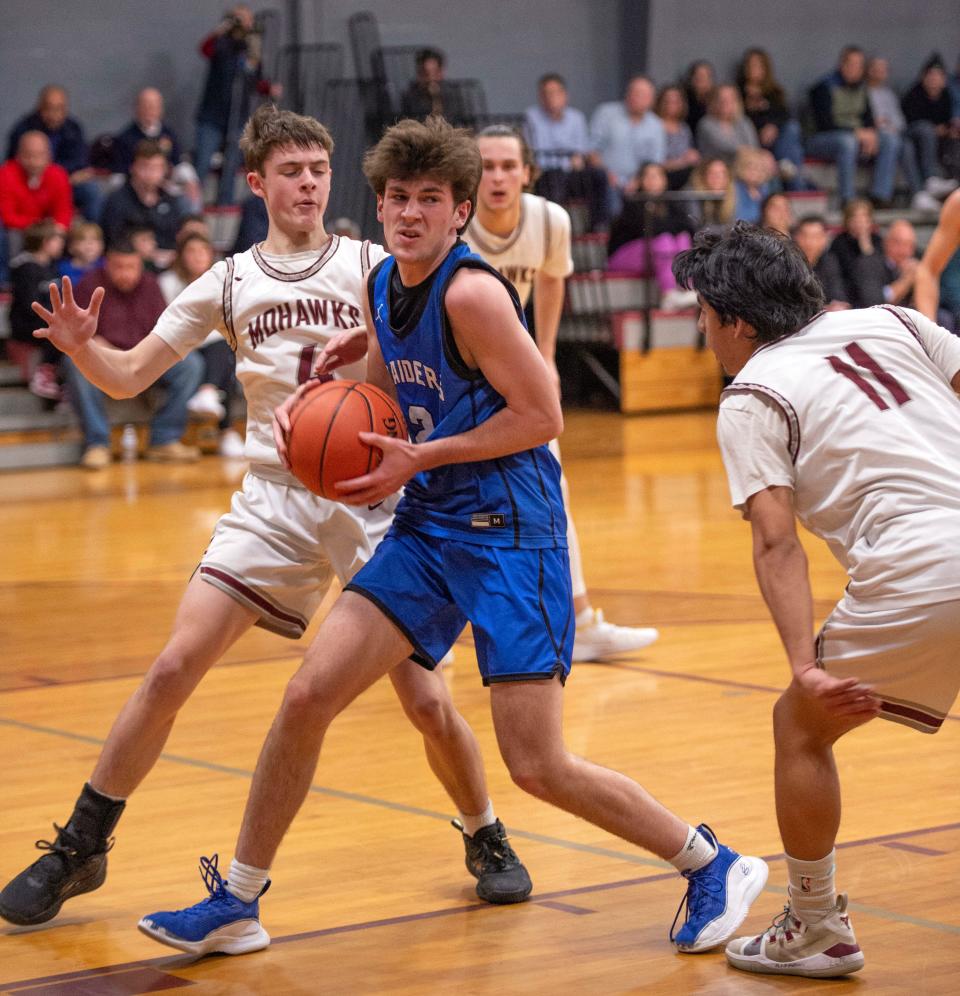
(32, 188)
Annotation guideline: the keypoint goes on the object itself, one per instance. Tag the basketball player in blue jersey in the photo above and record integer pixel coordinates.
(479, 535)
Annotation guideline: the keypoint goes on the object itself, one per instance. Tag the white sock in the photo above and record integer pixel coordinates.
(585, 616)
(471, 824)
(246, 882)
(695, 854)
(813, 893)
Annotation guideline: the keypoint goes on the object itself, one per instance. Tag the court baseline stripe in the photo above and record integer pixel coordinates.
(172, 963)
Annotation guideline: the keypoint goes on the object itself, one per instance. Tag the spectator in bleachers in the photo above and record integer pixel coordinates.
(765, 104)
(752, 173)
(148, 123)
(31, 273)
(648, 233)
(558, 136)
(776, 212)
(253, 224)
(234, 73)
(699, 82)
(713, 176)
(142, 202)
(429, 92)
(932, 126)
(681, 154)
(84, 250)
(194, 224)
(811, 235)
(347, 228)
(194, 257)
(859, 252)
(900, 257)
(846, 132)
(67, 147)
(131, 307)
(32, 188)
(725, 128)
(624, 135)
(888, 117)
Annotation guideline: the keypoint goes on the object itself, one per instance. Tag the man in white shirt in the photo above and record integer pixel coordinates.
(847, 422)
(527, 238)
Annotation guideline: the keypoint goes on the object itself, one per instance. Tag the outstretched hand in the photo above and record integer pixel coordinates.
(281, 417)
(69, 327)
(345, 347)
(838, 696)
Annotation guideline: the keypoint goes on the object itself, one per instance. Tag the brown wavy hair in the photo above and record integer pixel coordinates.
(270, 127)
(431, 148)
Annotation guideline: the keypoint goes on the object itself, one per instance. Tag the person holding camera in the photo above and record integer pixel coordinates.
(234, 73)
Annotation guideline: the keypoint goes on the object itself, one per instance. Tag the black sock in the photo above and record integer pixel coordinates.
(93, 820)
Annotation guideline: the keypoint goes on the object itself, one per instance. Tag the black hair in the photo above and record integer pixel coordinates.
(754, 274)
(809, 219)
(426, 54)
(123, 245)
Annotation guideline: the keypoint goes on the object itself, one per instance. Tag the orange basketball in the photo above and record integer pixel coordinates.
(324, 446)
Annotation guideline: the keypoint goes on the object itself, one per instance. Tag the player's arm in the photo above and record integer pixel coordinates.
(943, 244)
(548, 294)
(490, 338)
(781, 567)
(119, 373)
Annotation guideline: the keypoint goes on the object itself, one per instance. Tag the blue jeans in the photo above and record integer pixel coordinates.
(842, 148)
(789, 146)
(919, 156)
(167, 425)
(88, 199)
(209, 140)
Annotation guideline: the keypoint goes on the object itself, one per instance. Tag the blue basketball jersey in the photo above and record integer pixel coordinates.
(511, 501)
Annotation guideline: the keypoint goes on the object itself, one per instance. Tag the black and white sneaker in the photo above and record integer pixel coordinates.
(501, 877)
(67, 870)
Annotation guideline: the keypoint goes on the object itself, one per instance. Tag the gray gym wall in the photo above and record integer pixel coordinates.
(103, 51)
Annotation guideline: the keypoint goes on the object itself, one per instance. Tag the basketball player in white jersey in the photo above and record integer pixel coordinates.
(848, 422)
(527, 238)
(273, 556)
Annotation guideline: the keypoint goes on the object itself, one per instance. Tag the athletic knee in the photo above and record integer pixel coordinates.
(533, 773)
(306, 703)
(170, 679)
(798, 727)
(432, 714)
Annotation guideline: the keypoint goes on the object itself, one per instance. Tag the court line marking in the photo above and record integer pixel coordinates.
(172, 963)
(283, 659)
(400, 807)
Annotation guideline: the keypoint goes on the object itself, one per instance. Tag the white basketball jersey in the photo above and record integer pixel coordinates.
(540, 242)
(277, 313)
(873, 429)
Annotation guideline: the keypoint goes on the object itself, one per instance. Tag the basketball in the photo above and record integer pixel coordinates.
(324, 447)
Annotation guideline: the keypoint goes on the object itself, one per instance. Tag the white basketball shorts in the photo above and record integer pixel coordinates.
(279, 548)
(909, 654)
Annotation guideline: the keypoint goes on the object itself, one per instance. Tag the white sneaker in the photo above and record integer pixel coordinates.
(923, 201)
(820, 950)
(231, 445)
(678, 300)
(599, 640)
(207, 402)
(940, 187)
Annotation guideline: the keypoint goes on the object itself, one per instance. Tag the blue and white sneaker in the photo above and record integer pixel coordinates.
(718, 897)
(221, 923)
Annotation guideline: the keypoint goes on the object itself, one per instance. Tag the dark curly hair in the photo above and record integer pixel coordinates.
(754, 274)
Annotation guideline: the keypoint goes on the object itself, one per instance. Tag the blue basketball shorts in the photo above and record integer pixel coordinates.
(519, 602)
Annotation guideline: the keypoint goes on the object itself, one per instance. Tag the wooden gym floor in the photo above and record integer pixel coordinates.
(370, 894)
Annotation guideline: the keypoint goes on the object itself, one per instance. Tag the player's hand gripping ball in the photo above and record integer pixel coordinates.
(324, 446)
